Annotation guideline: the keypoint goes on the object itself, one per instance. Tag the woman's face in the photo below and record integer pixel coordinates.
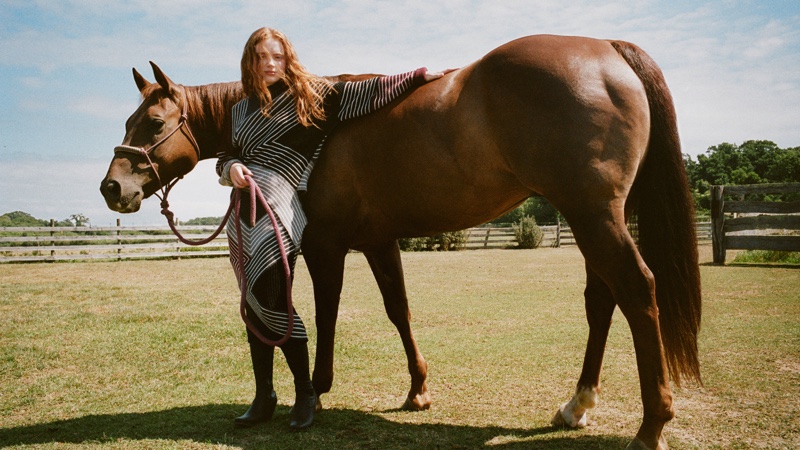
(271, 62)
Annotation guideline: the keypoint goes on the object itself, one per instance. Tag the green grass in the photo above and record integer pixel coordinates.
(152, 354)
(766, 257)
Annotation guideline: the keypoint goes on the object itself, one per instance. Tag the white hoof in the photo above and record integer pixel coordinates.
(573, 413)
(565, 418)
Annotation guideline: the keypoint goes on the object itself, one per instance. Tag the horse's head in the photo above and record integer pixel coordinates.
(158, 146)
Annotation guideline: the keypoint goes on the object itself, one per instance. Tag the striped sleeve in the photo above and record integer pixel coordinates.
(363, 97)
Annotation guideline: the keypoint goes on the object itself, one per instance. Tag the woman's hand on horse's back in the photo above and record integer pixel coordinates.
(430, 76)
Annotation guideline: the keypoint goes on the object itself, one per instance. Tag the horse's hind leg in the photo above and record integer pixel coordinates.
(611, 253)
(388, 270)
(599, 309)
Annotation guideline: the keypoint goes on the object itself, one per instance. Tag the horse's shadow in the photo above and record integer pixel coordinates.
(335, 428)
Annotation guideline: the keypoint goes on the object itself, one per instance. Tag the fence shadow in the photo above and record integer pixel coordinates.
(335, 428)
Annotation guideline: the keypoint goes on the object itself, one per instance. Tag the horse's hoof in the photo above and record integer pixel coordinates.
(318, 406)
(564, 418)
(419, 402)
(637, 444)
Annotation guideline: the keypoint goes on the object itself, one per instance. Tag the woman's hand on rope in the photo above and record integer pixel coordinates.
(237, 174)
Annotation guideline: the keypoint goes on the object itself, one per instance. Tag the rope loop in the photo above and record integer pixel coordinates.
(234, 208)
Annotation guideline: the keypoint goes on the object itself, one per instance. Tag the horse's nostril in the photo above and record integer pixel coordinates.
(110, 189)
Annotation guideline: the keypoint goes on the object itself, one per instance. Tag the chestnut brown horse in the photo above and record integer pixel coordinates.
(588, 124)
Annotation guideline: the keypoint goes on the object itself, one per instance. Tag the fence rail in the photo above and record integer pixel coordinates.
(766, 225)
(36, 244)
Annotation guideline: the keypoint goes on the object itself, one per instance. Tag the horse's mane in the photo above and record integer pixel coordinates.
(210, 104)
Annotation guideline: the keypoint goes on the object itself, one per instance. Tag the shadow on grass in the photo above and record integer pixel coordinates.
(755, 265)
(336, 428)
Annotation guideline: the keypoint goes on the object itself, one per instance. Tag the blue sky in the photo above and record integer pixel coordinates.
(66, 86)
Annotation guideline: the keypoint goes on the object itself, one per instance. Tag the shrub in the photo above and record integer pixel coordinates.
(452, 240)
(528, 234)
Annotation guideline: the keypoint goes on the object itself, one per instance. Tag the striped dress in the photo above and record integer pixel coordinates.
(281, 153)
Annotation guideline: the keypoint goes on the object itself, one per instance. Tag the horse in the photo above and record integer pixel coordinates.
(588, 124)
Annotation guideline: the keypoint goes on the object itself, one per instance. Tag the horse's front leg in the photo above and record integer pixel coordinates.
(599, 310)
(325, 261)
(388, 270)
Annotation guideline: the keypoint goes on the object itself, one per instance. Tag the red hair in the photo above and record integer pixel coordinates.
(300, 81)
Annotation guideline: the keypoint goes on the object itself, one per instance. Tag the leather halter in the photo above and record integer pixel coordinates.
(183, 121)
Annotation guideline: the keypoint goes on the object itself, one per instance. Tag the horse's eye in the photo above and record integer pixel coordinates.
(157, 124)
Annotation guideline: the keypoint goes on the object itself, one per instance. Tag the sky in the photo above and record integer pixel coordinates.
(66, 89)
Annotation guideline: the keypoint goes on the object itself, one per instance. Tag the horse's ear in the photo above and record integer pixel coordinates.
(162, 79)
(141, 82)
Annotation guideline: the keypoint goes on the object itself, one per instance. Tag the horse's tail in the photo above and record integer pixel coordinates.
(665, 211)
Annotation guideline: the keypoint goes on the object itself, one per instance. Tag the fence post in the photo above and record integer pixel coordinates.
(718, 224)
(486, 239)
(53, 239)
(119, 241)
(558, 234)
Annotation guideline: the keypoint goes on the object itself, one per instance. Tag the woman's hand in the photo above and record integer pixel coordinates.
(430, 76)
(237, 173)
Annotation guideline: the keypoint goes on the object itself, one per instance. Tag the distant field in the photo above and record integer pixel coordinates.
(152, 354)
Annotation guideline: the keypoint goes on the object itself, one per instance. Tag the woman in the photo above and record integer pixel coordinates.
(278, 131)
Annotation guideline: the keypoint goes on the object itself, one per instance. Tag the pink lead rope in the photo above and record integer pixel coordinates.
(235, 207)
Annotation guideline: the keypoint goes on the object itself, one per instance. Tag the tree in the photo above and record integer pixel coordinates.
(752, 162)
(79, 220)
(20, 219)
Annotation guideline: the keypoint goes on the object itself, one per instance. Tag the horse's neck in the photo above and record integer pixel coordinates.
(210, 115)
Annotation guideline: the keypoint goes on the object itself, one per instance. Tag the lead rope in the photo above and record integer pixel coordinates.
(235, 206)
(255, 192)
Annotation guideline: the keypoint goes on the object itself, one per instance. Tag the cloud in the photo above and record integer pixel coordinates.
(103, 108)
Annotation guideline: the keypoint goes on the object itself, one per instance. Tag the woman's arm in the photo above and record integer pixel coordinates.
(355, 99)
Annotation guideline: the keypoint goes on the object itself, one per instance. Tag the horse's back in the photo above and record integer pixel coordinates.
(459, 151)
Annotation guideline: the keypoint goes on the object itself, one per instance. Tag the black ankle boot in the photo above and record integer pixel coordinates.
(304, 405)
(260, 411)
(296, 352)
(263, 406)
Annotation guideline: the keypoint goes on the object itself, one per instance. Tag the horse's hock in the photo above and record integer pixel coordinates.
(754, 225)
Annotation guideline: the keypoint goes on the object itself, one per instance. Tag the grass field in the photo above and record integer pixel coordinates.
(152, 354)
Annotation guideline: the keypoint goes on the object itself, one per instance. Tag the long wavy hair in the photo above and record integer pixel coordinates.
(301, 82)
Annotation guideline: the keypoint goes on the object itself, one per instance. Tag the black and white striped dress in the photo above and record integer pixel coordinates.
(281, 153)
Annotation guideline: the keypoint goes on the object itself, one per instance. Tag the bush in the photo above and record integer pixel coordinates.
(528, 234)
(453, 240)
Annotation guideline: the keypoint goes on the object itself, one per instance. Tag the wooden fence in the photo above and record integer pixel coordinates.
(503, 237)
(32, 244)
(23, 244)
(738, 223)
